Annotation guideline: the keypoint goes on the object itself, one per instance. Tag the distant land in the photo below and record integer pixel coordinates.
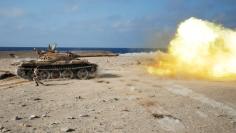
(113, 50)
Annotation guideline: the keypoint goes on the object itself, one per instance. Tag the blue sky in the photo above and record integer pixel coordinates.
(104, 23)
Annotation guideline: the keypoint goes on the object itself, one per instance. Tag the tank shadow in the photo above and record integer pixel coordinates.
(56, 84)
(108, 75)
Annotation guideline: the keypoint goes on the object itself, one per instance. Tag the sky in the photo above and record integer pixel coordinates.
(104, 23)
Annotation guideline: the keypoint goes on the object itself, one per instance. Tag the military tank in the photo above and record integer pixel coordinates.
(52, 64)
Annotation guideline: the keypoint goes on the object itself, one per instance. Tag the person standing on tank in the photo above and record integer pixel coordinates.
(36, 77)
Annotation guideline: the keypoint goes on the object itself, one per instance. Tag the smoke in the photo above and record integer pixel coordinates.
(200, 49)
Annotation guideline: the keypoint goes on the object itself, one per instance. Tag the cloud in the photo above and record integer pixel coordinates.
(126, 25)
(72, 8)
(12, 12)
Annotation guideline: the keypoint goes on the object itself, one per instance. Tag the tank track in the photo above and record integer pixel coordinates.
(71, 71)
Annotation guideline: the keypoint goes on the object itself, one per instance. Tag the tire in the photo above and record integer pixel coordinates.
(55, 74)
(82, 74)
(43, 75)
(67, 74)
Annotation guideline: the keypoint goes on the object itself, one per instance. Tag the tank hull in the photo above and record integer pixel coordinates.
(67, 70)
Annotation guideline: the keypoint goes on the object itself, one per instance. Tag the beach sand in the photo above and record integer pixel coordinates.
(123, 98)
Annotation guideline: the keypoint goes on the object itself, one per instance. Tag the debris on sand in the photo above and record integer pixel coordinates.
(3, 129)
(25, 125)
(33, 117)
(161, 116)
(125, 110)
(16, 118)
(6, 74)
(103, 81)
(78, 97)
(45, 115)
(116, 99)
(104, 100)
(158, 116)
(54, 123)
(66, 129)
(37, 99)
(71, 117)
(23, 105)
(84, 115)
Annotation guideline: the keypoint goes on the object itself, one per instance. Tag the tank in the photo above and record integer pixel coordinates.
(52, 64)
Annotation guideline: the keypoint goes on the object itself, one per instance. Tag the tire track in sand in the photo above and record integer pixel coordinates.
(186, 92)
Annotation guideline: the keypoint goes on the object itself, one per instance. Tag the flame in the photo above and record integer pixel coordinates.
(200, 49)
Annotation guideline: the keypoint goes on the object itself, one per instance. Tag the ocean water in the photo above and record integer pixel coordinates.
(114, 50)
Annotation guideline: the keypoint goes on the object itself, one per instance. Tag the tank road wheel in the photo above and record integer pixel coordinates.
(82, 74)
(67, 74)
(44, 75)
(21, 73)
(25, 74)
(93, 72)
(55, 74)
(30, 75)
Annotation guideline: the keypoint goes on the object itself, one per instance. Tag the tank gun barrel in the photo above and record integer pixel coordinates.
(96, 54)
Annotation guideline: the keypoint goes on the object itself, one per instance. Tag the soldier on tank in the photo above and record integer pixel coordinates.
(36, 78)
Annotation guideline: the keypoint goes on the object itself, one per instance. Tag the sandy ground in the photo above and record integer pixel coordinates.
(122, 99)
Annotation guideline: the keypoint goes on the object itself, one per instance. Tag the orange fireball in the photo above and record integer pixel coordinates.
(200, 49)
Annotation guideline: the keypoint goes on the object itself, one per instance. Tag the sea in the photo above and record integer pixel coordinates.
(63, 49)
